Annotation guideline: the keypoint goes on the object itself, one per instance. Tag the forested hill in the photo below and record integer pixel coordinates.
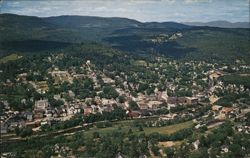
(222, 24)
(26, 34)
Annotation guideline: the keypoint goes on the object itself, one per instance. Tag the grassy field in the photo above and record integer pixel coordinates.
(138, 62)
(168, 129)
(10, 57)
(13, 141)
(124, 126)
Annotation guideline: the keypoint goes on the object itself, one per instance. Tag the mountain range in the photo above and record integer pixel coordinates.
(29, 34)
(222, 24)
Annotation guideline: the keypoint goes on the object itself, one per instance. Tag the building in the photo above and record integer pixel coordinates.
(88, 110)
(28, 116)
(4, 129)
(182, 100)
(216, 107)
(41, 104)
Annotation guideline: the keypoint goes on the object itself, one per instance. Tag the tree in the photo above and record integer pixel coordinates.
(169, 152)
(55, 103)
(155, 149)
(96, 135)
(141, 128)
(133, 105)
(109, 92)
(25, 132)
(200, 153)
(121, 99)
(248, 118)
(130, 131)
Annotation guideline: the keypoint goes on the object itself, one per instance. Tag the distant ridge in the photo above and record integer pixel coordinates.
(222, 24)
(29, 34)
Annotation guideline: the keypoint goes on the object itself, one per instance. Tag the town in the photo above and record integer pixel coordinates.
(169, 90)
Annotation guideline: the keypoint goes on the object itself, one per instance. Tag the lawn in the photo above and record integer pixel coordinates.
(126, 125)
(169, 129)
(138, 62)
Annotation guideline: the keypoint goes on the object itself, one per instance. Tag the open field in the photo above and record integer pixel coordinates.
(124, 126)
(10, 57)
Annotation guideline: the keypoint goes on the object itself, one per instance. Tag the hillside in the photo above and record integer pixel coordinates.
(27, 34)
(222, 24)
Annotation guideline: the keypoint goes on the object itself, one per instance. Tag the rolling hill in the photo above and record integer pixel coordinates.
(222, 24)
(25, 34)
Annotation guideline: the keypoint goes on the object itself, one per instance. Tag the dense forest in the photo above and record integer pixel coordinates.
(168, 38)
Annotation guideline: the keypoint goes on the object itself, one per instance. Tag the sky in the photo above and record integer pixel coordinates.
(142, 10)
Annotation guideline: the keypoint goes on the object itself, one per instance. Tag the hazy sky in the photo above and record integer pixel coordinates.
(142, 10)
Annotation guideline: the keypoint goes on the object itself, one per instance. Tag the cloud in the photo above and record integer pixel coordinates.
(142, 10)
(197, 1)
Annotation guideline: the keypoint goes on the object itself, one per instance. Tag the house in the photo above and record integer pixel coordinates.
(60, 112)
(196, 144)
(38, 114)
(108, 80)
(133, 114)
(168, 117)
(182, 100)
(71, 94)
(191, 100)
(146, 112)
(108, 108)
(22, 76)
(143, 156)
(154, 104)
(28, 116)
(4, 129)
(46, 122)
(143, 105)
(216, 107)
(31, 124)
(12, 126)
(88, 110)
(119, 155)
(226, 110)
(8, 154)
(57, 97)
(71, 110)
(177, 100)
(41, 107)
(162, 96)
(224, 149)
(42, 104)
(61, 75)
(58, 73)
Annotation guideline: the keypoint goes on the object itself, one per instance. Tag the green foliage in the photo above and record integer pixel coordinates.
(11, 57)
(56, 103)
(121, 99)
(133, 105)
(200, 153)
(109, 92)
(201, 43)
(223, 136)
(237, 79)
(103, 124)
(24, 132)
(169, 152)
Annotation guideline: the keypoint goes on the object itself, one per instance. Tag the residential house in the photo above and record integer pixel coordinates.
(88, 110)
(216, 107)
(4, 129)
(42, 104)
(182, 100)
(28, 115)
(154, 104)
